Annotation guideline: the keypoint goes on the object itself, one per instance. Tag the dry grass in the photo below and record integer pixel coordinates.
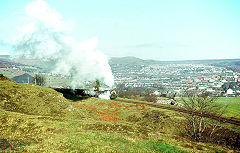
(37, 119)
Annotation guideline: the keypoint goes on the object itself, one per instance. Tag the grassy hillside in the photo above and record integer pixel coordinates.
(37, 119)
(30, 99)
(36, 133)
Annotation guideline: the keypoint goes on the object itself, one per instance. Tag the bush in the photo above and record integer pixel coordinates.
(150, 98)
(40, 80)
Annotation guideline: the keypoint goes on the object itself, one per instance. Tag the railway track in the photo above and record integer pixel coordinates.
(231, 120)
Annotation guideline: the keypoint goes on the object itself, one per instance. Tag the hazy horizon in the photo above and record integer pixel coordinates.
(176, 60)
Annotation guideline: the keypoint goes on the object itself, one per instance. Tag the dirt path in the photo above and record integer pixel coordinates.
(231, 120)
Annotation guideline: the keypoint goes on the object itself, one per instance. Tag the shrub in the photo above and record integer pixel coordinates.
(150, 98)
(40, 80)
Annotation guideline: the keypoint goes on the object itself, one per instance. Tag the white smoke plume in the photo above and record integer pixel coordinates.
(46, 37)
(105, 95)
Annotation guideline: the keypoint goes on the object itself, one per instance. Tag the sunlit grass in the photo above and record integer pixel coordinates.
(42, 120)
(30, 133)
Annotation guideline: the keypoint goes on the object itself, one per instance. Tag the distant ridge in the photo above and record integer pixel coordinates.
(127, 59)
(130, 60)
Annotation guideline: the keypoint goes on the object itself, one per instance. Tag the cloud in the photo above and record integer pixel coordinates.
(144, 45)
(157, 45)
(105, 21)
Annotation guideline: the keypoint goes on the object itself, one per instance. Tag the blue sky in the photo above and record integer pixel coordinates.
(148, 29)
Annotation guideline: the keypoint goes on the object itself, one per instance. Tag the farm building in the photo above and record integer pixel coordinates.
(24, 78)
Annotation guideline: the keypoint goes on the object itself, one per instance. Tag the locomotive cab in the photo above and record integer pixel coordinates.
(113, 95)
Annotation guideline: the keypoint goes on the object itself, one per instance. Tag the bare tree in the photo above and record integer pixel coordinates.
(97, 85)
(40, 80)
(150, 97)
(200, 107)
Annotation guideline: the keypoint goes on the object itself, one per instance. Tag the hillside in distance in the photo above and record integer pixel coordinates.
(130, 60)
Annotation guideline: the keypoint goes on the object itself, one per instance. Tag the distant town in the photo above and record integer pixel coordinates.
(176, 78)
(160, 77)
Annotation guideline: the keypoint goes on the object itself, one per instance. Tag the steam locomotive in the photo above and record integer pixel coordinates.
(113, 95)
(85, 93)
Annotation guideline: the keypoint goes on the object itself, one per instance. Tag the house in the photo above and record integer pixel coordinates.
(24, 78)
(155, 93)
(229, 91)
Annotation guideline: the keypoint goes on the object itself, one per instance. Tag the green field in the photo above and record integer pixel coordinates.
(232, 104)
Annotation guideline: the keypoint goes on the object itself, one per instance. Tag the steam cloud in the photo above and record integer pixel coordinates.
(46, 37)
